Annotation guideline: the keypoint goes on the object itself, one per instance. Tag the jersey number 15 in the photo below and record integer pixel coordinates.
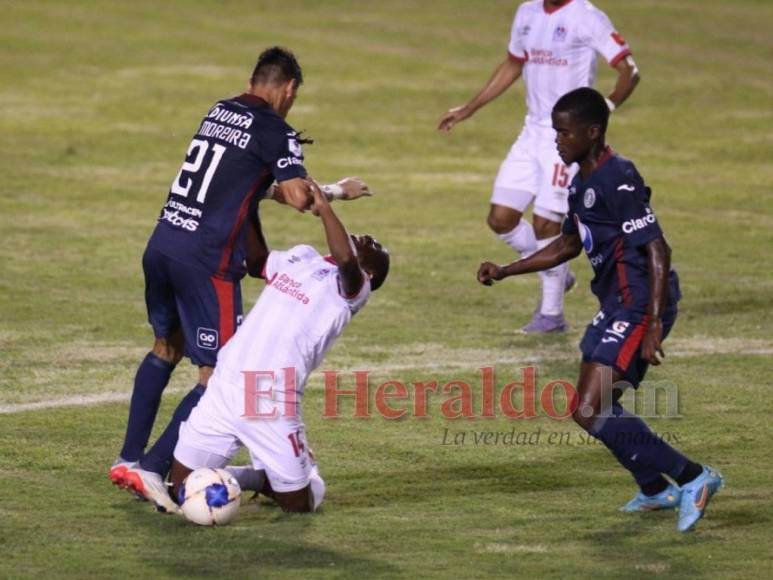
(197, 151)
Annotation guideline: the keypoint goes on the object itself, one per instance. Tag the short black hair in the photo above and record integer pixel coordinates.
(277, 65)
(380, 266)
(584, 105)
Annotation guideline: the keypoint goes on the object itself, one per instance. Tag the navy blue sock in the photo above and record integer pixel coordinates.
(150, 381)
(637, 448)
(159, 458)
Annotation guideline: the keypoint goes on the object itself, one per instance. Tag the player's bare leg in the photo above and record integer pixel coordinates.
(205, 373)
(152, 378)
(503, 220)
(301, 501)
(170, 349)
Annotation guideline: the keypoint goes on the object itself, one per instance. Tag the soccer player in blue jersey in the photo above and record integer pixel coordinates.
(208, 237)
(611, 219)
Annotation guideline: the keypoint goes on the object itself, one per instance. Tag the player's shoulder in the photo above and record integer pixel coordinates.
(621, 168)
(620, 176)
(588, 14)
(529, 8)
(586, 7)
(302, 253)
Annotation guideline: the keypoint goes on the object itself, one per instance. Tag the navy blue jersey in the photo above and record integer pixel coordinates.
(240, 148)
(611, 213)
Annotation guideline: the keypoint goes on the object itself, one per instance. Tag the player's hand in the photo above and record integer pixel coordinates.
(488, 273)
(354, 187)
(651, 344)
(319, 199)
(454, 116)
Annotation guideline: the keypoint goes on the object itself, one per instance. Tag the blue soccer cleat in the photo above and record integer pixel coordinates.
(665, 500)
(695, 497)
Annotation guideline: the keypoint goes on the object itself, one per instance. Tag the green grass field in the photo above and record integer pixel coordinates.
(98, 102)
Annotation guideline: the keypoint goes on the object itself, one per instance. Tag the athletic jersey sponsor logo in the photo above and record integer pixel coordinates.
(285, 162)
(636, 224)
(207, 338)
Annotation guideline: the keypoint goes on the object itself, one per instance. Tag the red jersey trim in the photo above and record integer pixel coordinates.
(620, 56)
(225, 258)
(550, 8)
(224, 290)
(521, 59)
(631, 345)
(622, 277)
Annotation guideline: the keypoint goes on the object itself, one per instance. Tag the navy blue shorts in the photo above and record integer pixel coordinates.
(208, 309)
(614, 339)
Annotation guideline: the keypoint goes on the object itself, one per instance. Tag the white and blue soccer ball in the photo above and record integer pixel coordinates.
(210, 497)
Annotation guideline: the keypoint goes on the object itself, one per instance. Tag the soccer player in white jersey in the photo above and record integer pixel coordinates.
(554, 46)
(308, 301)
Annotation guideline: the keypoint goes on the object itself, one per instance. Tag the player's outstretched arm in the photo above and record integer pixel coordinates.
(627, 79)
(659, 265)
(340, 244)
(504, 76)
(348, 188)
(559, 251)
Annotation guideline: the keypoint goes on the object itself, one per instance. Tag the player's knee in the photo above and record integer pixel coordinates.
(296, 502)
(169, 349)
(584, 414)
(546, 226)
(502, 220)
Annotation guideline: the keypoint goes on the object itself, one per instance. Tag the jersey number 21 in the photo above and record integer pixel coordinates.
(197, 151)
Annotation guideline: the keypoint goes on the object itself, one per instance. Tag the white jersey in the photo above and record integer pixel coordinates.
(558, 47)
(297, 318)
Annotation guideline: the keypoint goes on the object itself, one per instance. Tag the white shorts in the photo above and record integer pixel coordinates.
(533, 171)
(216, 430)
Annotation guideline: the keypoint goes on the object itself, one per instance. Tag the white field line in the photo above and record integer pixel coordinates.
(460, 362)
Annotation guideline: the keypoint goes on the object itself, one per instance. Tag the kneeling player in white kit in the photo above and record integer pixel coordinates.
(308, 301)
(553, 44)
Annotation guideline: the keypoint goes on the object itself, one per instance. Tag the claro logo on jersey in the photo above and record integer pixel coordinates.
(285, 162)
(636, 224)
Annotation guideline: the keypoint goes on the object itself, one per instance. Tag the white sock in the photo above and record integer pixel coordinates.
(552, 285)
(249, 479)
(317, 487)
(521, 238)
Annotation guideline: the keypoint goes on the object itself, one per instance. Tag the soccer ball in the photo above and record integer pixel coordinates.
(210, 497)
